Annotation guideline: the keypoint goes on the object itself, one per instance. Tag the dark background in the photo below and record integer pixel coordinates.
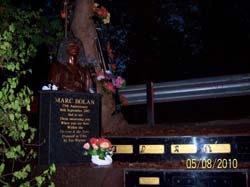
(170, 40)
(173, 40)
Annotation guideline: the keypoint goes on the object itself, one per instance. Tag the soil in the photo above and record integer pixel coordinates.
(211, 128)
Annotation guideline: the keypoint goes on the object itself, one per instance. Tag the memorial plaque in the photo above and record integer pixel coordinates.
(149, 180)
(182, 178)
(67, 120)
(217, 148)
(151, 149)
(123, 149)
(230, 149)
(183, 148)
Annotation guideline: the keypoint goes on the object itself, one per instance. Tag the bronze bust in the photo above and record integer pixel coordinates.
(70, 74)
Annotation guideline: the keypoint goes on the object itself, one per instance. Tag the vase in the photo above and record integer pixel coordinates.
(96, 160)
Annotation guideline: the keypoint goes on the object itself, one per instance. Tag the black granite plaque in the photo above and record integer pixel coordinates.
(224, 152)
(67, 120)
(181, 178)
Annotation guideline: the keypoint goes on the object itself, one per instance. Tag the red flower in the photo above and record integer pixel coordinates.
(102, 12)
(109, 86)
(113, 67)
(100, 76)
(93, 141)
(124, 100)
(63, 14)
(110, 51)
(105, 143)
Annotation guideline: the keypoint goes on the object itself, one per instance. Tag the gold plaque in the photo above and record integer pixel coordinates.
(216, 148)
(183, 148)
(149, 180)
(123, 149)
(152, 149)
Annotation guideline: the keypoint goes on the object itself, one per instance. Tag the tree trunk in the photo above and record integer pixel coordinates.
(83, 28)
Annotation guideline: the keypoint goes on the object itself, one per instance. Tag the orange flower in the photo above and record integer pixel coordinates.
(105, 143)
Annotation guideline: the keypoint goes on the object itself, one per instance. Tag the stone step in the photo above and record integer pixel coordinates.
(177, 178)
(121, 174)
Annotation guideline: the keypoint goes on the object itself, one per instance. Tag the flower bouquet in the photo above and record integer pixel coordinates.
(100, 150)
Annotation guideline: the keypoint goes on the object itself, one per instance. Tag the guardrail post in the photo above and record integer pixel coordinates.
(150, 104)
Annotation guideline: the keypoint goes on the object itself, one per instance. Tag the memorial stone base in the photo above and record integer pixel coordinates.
(214, 154)
(160, 163)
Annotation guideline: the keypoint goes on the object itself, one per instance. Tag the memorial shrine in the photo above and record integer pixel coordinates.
(204, 154)
(141, 94)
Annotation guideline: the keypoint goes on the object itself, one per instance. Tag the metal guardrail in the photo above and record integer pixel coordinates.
(192, 89)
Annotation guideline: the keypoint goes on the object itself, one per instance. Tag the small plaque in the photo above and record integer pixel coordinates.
(216, 148)
(123, 149)
(152, 149)
(183, 148)
(149, 180)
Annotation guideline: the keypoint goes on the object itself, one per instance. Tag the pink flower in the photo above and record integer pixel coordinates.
(86, 146)
(95, 146)
(109, 86)
(119, 81)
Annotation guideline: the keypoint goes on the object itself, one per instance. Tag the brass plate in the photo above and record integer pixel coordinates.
(152, 149)
(183, 148)
(216, 148)
(149, 180)
(123, 149)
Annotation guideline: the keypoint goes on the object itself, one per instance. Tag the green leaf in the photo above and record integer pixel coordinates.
(23, 134)
(12, 28)
(52, 168)
(12, 117)
(26, 184)
(39, 180)
(52, 184)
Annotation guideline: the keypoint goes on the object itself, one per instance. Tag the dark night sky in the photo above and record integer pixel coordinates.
(173, 40)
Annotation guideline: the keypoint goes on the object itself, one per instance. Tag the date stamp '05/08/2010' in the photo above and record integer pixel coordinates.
(215, 163)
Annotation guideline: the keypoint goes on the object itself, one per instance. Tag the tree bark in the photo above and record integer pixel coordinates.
(84, 28)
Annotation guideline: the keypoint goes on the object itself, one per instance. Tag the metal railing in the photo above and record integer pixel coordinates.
(191, 89)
